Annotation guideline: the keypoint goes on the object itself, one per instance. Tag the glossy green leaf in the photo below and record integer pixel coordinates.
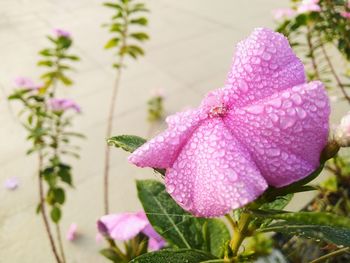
(174, 256)
(128, 143)
(215, 235)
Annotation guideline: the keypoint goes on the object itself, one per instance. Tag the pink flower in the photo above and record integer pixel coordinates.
(126, 226)
(283, 13)
(345, 14)
(58, 105)
(72, 232)
(307, 6)
(61, 33)
(11, 183)
(27, 83)
(266, 126)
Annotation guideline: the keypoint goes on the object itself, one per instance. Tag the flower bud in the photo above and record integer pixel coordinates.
(342, 132)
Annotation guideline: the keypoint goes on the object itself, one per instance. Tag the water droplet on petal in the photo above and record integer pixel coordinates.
(170, 188)
(255, 109)
(287, 122)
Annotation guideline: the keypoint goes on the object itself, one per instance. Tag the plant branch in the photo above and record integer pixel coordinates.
(43, 212)
(335, 75)
(60, 243)
(311, 50)
(331, 255)
(111, 116)
(240, 233)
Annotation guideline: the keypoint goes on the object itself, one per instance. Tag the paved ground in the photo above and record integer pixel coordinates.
(189, 54)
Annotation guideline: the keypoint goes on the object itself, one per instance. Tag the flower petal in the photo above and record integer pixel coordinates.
(161, 151)
(213, 174)
(263, 64)
(124, 226)
(285, 133)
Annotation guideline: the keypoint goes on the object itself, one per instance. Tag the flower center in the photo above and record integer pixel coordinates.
(218, 111)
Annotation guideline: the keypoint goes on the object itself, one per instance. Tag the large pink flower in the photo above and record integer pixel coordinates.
(126, 226)
(266, 126)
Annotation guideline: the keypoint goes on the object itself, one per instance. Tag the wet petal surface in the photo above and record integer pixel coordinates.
(214, 173)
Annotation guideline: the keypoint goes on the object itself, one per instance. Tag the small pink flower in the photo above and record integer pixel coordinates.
(125, 226)
(72, 232)
(283, 14)
(59, 105)
(27, 83)
(345, 14)
(11, 183)
(61, 33)
(266, 126)
(307, 6)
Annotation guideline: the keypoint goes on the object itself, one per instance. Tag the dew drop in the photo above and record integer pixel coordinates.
(255, 109)
(266, 56)
(301, 113)
(287, 122)
(297, 99)
(170, 188)
(273, 152)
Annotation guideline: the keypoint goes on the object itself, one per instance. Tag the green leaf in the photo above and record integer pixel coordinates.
(112, 43)
(128, 143)
(178, 227)
(113, 5)
(46, 63)
(59, 195)
(139, 21)
(55, 214)
(71, 57)
(66, 81)
(173, 256)
(46, 52)
(140, 36)
(139, 7)
(215, 235)
(64, 173)
(111, 255)
(318, 225)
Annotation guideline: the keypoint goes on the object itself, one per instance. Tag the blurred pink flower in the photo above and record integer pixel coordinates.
(58, 104)
(26, 83)
(61, 33)
(283, 13)
(11, 183)
(345, 14)
(125, 226)
(307, 6)
(266, 126)
(72, 232)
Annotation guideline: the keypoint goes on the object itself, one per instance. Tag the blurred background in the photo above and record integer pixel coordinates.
(189, 53)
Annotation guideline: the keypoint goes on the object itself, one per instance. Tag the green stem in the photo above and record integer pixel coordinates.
(43, 212)
(240, 233)
(331, 255)
(112, 109)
